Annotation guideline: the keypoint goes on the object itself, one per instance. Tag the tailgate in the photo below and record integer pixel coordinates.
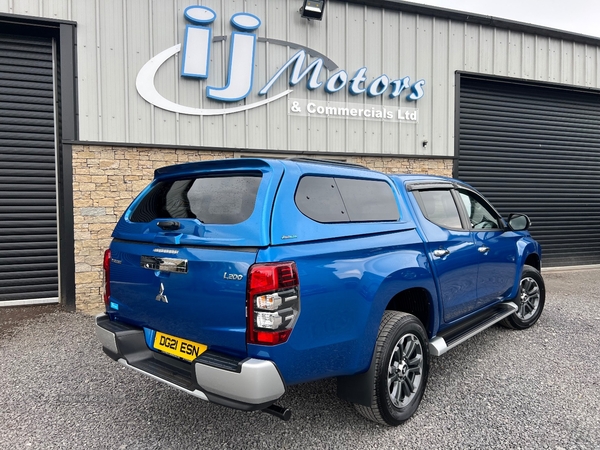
(198, 294)
(182, 250)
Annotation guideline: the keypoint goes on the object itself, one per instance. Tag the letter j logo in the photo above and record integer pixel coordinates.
(196, 52)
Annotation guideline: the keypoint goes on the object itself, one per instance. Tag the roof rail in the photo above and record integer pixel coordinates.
(330, 162)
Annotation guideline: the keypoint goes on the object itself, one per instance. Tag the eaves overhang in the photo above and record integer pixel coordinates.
(477, 19)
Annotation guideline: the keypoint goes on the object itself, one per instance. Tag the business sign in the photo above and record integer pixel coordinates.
(357, 111)
(195, 63)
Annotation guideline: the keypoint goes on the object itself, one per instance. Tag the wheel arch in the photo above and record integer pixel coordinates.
(416, 301)
(534, 261)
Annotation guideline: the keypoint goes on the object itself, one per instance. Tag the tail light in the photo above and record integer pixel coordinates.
(106, 281)
(273, 302)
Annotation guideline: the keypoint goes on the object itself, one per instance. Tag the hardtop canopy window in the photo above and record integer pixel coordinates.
(225, 199)
(338, 200)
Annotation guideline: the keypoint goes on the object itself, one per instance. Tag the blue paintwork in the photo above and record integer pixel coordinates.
(467, 280)
(202, 305)
(345, 286)
(348, 272)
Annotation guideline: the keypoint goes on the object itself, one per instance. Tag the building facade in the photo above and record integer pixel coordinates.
(96, 94)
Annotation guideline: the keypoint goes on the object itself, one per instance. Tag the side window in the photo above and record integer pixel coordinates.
(335, 200)
(319, 199)
(368, 200)
(481, 216)
(438, 207)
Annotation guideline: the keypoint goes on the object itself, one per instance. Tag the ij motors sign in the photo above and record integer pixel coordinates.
(196, 60)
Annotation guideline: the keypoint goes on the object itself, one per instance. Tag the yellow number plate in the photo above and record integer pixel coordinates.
(175, 346)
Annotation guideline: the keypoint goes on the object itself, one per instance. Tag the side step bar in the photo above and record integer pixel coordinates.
(451, 338)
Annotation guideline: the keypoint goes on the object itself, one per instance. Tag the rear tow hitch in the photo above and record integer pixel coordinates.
(279, 412)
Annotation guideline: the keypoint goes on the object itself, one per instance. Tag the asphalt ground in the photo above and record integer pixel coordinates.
(538, 388)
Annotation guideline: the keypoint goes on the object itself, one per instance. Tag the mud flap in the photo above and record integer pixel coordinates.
(358, 388)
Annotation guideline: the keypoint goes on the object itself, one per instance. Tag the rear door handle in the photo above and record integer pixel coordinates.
(483, 249)
(441, 253)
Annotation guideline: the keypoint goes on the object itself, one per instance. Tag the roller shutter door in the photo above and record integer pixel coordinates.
(28, 211)
(536, 149)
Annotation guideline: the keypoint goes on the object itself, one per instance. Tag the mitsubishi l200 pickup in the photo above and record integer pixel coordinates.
(232, 280)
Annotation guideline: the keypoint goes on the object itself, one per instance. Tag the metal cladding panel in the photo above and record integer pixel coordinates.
(26, 7)
(88, 71)
(163, 25)
(372, 57)
(536, 149)
(425, 65)
(115, 38)
(442, 111)
(120, 37)
(317, 127)
(277, 119)
(515, 56)
(28, 227)
(486, 49)
(113, 59)
(139, 121)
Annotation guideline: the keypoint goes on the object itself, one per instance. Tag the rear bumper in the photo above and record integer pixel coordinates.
(247, 384)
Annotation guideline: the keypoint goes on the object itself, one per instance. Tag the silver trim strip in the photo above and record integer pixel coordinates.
(35, 301)
(438, 345)
(196, 393)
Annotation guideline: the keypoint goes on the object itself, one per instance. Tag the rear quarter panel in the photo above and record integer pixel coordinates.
(348, 273)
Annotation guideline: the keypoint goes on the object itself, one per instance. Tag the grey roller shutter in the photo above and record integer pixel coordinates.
(28, 211)
(536, 149)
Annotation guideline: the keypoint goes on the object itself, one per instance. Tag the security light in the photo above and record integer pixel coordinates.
(312, 9)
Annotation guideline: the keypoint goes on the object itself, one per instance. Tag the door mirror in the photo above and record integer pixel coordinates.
(518, 222)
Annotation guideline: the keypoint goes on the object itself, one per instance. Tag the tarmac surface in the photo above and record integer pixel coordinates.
(538, 388)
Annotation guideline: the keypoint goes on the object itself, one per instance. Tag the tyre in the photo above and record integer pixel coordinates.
(530, 300)
(401, 369)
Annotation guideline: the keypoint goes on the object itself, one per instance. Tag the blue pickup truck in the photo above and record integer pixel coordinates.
(231, 280)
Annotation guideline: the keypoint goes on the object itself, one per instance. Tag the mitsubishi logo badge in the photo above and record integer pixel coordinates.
(161, 297)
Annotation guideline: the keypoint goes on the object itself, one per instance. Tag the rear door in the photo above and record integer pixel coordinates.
(181, 252)
(473, 256)
(451, 248)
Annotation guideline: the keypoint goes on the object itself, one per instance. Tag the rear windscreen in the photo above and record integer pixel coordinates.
(212, 200)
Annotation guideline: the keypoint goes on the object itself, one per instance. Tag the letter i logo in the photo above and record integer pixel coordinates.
(196, 54)
(196, 47)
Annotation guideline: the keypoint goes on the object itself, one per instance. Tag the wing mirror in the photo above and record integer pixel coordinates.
(518, 222)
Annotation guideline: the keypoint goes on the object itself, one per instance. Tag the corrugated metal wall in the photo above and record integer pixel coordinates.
(116, 37)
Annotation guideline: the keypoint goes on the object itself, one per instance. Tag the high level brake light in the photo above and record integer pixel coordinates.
(106, 283)
(273, 302)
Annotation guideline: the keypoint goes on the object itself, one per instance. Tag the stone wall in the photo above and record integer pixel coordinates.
(107, 179)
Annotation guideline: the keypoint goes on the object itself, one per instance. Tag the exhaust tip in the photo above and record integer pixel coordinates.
(279, 411)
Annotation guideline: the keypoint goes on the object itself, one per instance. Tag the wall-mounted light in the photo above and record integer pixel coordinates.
(312, 9)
